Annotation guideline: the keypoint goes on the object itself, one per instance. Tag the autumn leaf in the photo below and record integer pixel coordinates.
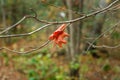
(59, 35)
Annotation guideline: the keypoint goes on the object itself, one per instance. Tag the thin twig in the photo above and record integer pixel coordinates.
(60, 22)
(115, 7)
(21, 20)
(104, 46)
(29, 51)
(26, 52)
(89, 15)
(28, 34)
(102, 35)
(48, 24)
(25, 34)
(13, 25)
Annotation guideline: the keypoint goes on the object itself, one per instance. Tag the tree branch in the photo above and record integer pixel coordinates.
(47, 25)
(115, 25)
(60, 22)
(25, 34)
(26, 52)
(104, 46)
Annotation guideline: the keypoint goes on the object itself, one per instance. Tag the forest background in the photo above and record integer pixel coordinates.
(92, 49)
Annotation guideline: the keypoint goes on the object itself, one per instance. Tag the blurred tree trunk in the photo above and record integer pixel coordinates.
(75, 31)
(70, 30)
(3, 13)
(97, 27)
(4, 19)
(14, 14)
(79, 28)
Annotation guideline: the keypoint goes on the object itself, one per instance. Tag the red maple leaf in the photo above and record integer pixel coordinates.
(59, 35)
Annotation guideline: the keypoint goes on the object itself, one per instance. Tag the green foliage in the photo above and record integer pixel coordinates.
(32, 75)
(74, 65)
(41, 67)
(117, 69)
(116, 35)
(6, 58)
(84, 68)
(44, 51)
(106, 67)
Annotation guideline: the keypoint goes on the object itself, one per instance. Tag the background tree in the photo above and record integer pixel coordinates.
(75, 32)
(50, 63)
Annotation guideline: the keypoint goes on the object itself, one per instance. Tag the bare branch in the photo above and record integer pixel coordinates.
(102, 35)
(88, 15)
(26, 52)
(13, 25)
(115, 7)
(60, 22)
(25, 34)
(25, 17)
(29, 51)
(48, 24)
(104, 46)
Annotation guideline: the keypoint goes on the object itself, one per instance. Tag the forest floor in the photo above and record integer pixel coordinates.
(90, 68)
